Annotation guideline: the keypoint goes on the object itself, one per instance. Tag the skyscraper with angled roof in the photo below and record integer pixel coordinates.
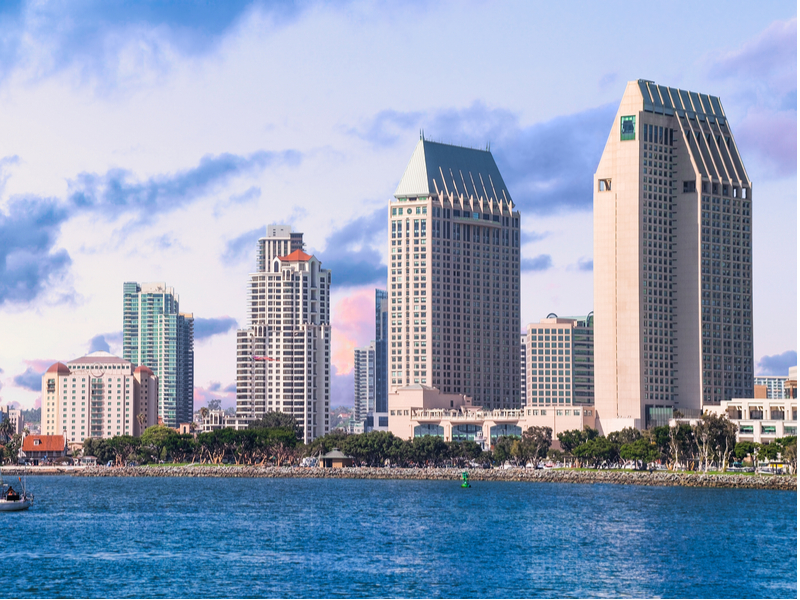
(672, 260)
(453, 282)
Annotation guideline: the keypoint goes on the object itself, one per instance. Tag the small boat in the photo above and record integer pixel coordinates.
(12, 500)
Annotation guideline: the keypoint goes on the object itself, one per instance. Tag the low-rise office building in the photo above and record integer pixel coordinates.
(759, 420)
(417, 410)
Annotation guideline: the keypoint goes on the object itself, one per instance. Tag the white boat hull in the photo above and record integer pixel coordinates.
(15, 505)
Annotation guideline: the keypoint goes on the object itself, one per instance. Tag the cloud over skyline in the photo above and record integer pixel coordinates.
(777, 364)
(205, 328)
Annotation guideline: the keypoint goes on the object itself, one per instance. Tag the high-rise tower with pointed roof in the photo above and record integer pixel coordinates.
(453, 282)
(672, 260)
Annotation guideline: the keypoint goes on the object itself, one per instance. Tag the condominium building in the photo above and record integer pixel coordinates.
(772, 385)
(98, 396)
(560, 361)
(364, 381)
(672, 260)
(283, 355)
(157, 335)
(381, 347)
(454, 270)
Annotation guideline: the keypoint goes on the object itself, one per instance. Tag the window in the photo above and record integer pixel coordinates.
(689, 186)
(627, 126)
(603, 185)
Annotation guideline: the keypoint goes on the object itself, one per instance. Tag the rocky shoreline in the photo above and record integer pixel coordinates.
(657, 478)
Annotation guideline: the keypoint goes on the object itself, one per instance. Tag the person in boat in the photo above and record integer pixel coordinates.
(12, 496)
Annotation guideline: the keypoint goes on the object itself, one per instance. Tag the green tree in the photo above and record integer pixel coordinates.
(789, 451)
(681, 444)
(624, 436)
(641, 452)
(326, 443)
(154, 440)
(100, 449)
(503, 449)
(429, 449)
(573, 438)
(535, 443)
(598, 451)
(744, 449)
(273, 419)
(6, 429)
(124, 448)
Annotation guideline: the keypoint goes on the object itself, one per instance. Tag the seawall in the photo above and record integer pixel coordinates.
(658, 478)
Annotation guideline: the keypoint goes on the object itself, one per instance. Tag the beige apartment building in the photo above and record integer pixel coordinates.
(672, 260)
(283, 356)
(99, 396)
(453, 281)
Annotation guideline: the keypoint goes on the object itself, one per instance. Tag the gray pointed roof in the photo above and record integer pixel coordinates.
(436, 167)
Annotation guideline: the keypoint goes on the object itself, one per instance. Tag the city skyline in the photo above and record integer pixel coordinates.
(141, 123)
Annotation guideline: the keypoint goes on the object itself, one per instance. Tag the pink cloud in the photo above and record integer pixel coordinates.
(352, 326)
(214, 391)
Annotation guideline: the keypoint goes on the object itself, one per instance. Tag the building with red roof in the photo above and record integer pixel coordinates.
(283, 355)
(38, 447)
(99, 395)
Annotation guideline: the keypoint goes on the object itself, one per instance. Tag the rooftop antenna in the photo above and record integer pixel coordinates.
(422, 134)
(488, 146)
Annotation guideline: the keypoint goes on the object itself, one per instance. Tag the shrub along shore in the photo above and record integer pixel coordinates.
(656, 478)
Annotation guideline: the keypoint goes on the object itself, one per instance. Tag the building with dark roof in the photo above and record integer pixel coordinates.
(672, 260)
(454, 277)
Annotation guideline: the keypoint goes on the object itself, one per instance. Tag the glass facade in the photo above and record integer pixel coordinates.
(156, 335)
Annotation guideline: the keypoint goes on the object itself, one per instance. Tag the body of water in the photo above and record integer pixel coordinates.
(180, 537)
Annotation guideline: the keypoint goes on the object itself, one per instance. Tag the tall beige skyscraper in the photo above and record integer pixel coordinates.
(672, 260)
(454, 269)
(283, 355)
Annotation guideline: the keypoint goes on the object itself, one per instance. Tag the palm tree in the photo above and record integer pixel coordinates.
(6, 429)
(142, 419)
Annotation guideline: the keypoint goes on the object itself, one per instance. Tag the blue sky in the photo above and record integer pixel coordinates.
(154, 141)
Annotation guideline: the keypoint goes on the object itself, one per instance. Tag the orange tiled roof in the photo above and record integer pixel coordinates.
(59, 368)
(297, 255)
(47, 443)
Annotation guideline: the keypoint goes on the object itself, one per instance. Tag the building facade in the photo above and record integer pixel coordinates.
(157, 335)
(560, 361)
(672, 259)
(418, 410)
(15, 416)
(523, 370)
(774, 385)
(98, 396)
(283, 356)
(381, 347)
(453, 282)
(364, 381)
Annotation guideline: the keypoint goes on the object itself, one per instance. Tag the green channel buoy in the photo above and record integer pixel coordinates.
(465, 480)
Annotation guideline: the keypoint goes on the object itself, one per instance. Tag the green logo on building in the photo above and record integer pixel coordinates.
(627, 128)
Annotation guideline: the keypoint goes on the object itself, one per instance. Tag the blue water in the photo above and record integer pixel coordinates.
(353, 538)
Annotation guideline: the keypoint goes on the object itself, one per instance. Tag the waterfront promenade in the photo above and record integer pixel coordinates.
(656, 478)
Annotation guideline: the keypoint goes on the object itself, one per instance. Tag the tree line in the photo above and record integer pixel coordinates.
(711, 442)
